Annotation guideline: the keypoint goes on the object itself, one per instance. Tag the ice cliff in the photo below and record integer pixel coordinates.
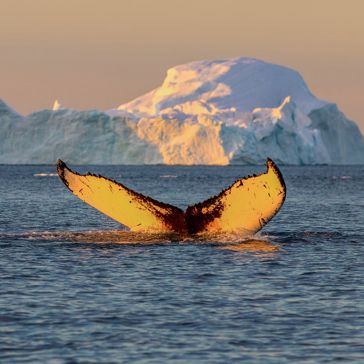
(235, 111)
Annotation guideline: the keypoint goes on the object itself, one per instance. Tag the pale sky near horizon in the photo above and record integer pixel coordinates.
(93, 54)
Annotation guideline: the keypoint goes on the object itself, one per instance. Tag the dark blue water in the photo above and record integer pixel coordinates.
(77, 288)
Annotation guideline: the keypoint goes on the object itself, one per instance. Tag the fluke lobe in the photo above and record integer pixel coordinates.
(248, 204)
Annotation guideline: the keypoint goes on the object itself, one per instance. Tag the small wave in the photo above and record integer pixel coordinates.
(233, 240)
(302, 236)
(45, 175)
(253, 246)
(227, 241)
(133, 236)
(89, 236)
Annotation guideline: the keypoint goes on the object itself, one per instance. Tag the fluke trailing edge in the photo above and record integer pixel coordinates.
(249, 204)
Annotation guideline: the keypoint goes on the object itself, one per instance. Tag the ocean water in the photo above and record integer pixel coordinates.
(76, 287)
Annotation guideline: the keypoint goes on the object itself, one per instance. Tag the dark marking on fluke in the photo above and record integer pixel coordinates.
(197, 217)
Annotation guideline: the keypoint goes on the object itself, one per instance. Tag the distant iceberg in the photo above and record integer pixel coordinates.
(234, 111)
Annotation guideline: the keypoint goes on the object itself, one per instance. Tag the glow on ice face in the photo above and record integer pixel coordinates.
(247, 205)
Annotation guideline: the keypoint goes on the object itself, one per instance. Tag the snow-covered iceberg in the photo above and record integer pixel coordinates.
(235, 111)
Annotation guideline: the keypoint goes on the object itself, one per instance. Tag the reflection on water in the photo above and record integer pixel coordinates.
(253, 246)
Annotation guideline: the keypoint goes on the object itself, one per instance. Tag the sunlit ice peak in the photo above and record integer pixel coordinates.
(242, 83)
(57, 106)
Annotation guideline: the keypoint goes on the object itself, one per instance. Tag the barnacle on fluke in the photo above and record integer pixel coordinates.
(248, 204)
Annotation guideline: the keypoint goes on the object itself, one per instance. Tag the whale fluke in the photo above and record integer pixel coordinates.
(249, 204)
(121, 203)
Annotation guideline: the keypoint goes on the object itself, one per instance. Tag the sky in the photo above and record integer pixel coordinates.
(93, 54)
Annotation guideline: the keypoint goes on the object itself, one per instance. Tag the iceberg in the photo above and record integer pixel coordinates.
(234, 111)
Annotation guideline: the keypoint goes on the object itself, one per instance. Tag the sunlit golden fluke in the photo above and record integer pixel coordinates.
(120, 203)
(248, 204)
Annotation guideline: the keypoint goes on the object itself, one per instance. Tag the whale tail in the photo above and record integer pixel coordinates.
(249, 204)
(121, 203)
